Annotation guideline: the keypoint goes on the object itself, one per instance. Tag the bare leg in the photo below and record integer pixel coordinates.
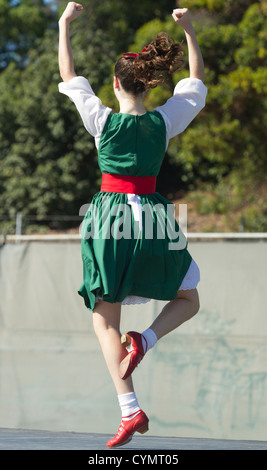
(176, 312)
(106, 322)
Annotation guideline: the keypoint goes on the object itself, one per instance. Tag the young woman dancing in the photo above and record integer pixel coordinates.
(131, 145)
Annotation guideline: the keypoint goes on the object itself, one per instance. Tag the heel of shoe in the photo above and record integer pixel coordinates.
(143, 429)
(126, 340)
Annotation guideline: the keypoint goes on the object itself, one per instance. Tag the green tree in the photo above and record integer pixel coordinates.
(225, 151)
(49, 162)
(21, 23)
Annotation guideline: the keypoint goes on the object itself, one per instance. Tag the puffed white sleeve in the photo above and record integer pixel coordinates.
(93, 113)
(189, 97)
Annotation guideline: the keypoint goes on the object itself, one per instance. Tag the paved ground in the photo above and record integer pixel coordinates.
(21, 439)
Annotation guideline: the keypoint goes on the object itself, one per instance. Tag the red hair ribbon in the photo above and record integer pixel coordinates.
(130, 55)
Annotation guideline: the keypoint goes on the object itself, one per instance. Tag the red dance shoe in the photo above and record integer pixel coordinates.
(127, 428)
(133, 343)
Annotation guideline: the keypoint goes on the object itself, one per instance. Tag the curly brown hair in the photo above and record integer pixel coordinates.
(146, 70)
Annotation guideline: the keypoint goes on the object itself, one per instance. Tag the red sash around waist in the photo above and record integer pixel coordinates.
(128, 184)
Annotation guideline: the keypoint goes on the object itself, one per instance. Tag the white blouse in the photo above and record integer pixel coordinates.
(188, 99)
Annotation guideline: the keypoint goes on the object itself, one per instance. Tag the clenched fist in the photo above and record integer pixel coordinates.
(72, 11)
(182, 17)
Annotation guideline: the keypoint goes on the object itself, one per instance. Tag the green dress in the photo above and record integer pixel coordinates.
(116, 267)
(131, 245)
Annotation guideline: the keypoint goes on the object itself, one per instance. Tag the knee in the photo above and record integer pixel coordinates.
(193, 297)
(106, 318)
(196, 306)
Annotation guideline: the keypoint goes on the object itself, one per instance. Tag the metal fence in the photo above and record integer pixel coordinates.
(190, 236)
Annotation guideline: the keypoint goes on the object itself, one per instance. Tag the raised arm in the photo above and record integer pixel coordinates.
(196, 65)
(65, 58)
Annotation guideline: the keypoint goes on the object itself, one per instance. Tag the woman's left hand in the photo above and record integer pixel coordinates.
(72, 11)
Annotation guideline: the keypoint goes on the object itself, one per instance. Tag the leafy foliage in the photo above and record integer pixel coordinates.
(49, 162)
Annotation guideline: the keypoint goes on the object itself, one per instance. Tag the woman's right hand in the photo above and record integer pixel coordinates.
(71, 12)
(182, 17)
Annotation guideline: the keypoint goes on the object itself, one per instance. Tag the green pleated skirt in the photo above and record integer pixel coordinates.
(121, 260)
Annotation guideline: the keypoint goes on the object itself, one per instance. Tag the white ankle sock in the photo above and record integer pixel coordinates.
(129, 405)
(149, 339)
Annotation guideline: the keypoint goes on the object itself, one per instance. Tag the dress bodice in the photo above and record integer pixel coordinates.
(132, 145)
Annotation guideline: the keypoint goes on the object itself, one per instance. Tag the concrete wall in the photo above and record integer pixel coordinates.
(206, 379)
